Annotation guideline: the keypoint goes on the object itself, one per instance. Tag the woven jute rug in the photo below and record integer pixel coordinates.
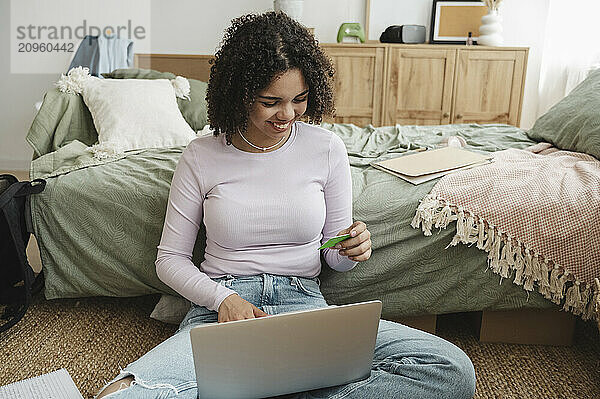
(94, 337)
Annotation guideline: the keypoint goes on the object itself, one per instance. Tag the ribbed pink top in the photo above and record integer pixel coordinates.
(263, 212)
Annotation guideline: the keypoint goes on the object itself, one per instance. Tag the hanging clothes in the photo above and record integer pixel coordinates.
(103, 54)
(87, 55)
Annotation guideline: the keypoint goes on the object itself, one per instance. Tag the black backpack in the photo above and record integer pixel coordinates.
(17, 280)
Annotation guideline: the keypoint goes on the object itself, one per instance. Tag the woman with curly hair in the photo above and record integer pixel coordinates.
(270, 189)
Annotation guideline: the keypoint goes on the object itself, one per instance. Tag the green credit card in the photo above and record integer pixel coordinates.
(332, 241)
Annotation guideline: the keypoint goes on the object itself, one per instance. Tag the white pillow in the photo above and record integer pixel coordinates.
(133, 114)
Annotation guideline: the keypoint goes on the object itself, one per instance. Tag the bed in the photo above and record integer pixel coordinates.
(99, 221)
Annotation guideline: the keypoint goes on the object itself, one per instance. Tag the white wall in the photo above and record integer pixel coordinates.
(199, 31)
(17, 95)
(524, 24)
(196, 26)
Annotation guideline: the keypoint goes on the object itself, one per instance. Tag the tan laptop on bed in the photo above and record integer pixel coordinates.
(285, 353)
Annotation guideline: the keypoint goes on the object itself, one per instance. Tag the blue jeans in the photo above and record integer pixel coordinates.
(407, 363)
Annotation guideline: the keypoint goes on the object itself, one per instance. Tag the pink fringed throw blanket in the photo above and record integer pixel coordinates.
(537, 214)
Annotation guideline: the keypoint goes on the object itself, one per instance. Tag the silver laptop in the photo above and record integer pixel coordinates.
(285, 353)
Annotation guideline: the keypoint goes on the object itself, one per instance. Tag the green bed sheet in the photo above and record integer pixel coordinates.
(98, 224)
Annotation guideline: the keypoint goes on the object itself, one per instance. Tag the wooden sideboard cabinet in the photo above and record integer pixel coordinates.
(419, 86)
(488, 86)
(359, 82)
(387, 84)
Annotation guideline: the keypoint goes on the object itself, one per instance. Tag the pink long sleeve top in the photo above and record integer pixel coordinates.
(263, 212)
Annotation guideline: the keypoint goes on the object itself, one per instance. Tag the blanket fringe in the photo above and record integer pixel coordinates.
(182, 87)
(104, 151)
(75, 80)
(507, 254)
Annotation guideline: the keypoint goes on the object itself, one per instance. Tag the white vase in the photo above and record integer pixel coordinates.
(490, 31)
(293, 8)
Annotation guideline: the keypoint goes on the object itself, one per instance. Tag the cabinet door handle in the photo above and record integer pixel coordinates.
(446, 115)
(459, 116)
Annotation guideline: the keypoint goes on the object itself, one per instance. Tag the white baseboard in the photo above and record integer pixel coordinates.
(14, 164)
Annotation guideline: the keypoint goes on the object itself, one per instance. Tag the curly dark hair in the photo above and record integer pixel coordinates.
(255, 49)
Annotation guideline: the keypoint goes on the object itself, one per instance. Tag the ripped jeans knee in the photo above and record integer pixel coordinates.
(140, 388)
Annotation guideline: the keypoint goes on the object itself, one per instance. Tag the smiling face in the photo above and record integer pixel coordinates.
(276, 108)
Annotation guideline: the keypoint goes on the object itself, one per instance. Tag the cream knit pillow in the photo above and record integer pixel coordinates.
(133, 114)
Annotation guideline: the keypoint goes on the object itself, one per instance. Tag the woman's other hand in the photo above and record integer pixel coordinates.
(358, 246)
(234, 307)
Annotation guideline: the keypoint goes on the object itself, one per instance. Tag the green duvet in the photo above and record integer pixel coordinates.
(98, 224)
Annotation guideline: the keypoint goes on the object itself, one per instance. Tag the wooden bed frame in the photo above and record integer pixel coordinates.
(191, 66)
(522, 326)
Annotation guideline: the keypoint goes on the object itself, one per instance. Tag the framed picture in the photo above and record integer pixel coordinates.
(451, 21)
